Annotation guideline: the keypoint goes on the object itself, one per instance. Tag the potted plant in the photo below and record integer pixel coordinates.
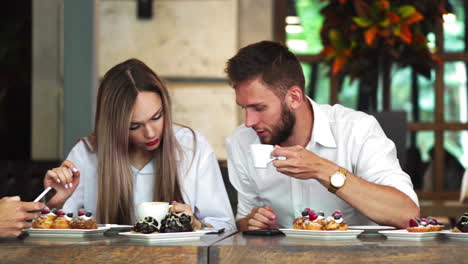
(362, 39)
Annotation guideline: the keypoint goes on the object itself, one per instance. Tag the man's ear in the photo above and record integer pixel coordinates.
(294, 97)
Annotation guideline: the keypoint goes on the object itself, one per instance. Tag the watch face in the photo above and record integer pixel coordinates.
(337, 180)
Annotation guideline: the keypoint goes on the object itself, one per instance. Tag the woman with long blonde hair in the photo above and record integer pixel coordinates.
(136, 154)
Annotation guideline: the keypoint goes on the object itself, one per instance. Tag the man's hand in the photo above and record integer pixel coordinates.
(303, 164)
(14, 215)
(261, 218)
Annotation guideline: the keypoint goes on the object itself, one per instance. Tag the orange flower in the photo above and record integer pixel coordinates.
(338, 64)
(405, 34)
(415, 17)
(384, 4)
(328, 52)
(347, 52)
(394, 18)
(370, 34)
(419, 38)
(437, 60)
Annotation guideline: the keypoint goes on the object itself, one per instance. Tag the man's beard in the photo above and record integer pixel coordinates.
(283, 130)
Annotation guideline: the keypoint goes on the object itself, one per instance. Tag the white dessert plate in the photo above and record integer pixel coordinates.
(321, 234)
(165, 237)
(371, 229)
(403, 234)
(117, 228)
(455, 235)
(36, 232)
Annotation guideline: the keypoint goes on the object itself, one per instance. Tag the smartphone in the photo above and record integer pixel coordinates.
(213, 230)
(263, 232)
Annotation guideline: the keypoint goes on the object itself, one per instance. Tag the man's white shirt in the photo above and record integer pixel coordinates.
(351, 139)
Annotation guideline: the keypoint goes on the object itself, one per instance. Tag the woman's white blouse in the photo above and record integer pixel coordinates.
(200, 179)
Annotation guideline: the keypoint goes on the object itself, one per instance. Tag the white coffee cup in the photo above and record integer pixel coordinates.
(261, 154)
(157, 210)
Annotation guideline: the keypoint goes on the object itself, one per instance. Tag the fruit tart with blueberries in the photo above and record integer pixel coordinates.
(428, 224)
(335, 222)
(462, 224)
(85, 220)
(46, 219)
(311, 220)
(62, 221)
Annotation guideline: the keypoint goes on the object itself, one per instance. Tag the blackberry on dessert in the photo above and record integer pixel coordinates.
(147, 225)
(462, 224)
(176, 222)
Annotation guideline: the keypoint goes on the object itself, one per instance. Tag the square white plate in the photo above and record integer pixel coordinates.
(165, 237)
(455, 235)
(117, 228)
(371, 230)
(403, 234)
(321, 234)
(36, 232)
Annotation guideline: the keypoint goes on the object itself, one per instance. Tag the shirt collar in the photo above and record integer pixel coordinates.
(321, 132)
(147, 169)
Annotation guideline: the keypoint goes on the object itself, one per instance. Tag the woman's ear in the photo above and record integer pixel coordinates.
(294, 97)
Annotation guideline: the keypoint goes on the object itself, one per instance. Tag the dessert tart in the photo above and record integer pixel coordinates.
(44, 221)
(62, 221)
(429, 224)
(147, 225)
(176, 222)
(85, 220)
(310, 220)
(462, 224)
(335, 222)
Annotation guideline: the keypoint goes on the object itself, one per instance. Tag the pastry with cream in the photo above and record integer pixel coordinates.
(429, 224)
(44, 221)
(85, 220)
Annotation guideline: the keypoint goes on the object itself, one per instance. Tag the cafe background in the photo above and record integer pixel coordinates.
(53, 53)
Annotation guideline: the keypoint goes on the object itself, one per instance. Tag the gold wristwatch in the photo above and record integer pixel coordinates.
(337, 180)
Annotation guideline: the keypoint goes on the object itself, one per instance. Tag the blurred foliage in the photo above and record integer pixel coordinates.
(357, 33)
(454, 73)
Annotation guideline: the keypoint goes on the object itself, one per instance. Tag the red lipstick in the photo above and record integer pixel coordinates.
(152, 143)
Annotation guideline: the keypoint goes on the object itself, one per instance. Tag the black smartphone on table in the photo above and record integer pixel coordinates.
(263, 232)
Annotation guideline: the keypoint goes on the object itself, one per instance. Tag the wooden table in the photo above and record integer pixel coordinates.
(104, 249)
(282, 249)
(229, 248)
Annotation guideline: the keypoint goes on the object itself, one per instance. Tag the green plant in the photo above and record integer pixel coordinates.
(360, 35)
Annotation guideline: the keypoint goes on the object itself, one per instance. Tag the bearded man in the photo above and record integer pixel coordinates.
(336, 158)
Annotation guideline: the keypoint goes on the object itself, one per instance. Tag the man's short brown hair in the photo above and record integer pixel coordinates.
(272, 62)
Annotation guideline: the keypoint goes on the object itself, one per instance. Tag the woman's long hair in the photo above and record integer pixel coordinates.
(116, 97)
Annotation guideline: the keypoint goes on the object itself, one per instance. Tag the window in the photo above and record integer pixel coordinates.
(437, 106)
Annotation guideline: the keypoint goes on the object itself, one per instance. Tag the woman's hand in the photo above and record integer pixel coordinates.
(187, 209)
(64, 180)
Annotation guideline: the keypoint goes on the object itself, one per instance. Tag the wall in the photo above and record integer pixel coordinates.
(187, 42)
